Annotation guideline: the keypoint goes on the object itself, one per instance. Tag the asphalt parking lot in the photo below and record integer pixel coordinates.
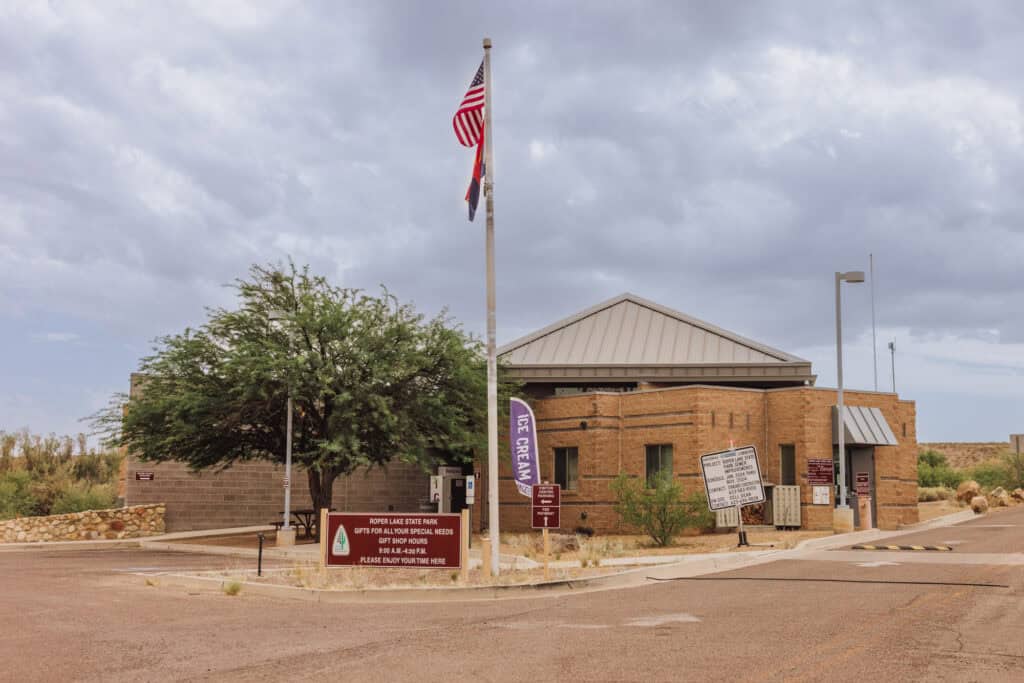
(89, 615)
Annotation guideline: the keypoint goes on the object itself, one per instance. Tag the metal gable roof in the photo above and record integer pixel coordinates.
(631, 331)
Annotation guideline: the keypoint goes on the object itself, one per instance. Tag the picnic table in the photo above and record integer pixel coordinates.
(307, 518)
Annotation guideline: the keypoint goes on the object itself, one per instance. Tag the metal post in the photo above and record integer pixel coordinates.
(874, 340)
(492, 360)
(288, 468)
(742, 533)
(841, 425)
(259, 557)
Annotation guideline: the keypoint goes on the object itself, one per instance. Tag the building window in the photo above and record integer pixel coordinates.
(567, 467)
(659, 460)
(787, 461)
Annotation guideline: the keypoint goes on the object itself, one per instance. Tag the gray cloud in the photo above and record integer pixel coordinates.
(721, 158)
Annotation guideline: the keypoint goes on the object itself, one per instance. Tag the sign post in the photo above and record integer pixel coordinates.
(732, 478)
(546, 513)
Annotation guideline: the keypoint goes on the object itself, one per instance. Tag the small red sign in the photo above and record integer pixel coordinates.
(394, 539)
(819, 472)
(862, 484)
(143, 476)
(546, 506)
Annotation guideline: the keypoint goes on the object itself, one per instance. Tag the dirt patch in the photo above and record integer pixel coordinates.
(572, 547)
(938, 508)
(313, 576)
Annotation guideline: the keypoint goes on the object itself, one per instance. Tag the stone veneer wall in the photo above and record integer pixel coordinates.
(126, 522)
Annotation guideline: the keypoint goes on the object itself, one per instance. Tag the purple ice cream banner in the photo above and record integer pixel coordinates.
(523, 437)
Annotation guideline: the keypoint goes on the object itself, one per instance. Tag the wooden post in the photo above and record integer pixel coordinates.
(464, 553)
(485, 553)
(547, 551)
(323, 537)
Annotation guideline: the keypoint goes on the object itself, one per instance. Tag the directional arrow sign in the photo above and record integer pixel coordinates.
(546, 507)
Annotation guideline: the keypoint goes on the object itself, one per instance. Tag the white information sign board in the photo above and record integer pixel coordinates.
(819, 495)
(732, 478)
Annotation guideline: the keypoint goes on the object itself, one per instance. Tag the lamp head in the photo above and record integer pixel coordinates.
(853, 276)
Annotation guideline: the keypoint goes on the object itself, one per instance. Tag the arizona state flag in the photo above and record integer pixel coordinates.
(473, 193)
(468, 123)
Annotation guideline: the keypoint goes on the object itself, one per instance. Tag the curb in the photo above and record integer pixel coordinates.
(135, 542)
(43, 546)
(868, 535)
(631, 578)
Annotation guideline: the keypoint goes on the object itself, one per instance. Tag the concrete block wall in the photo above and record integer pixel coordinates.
(252, 493)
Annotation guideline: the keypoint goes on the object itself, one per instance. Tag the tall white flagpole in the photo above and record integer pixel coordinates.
(492, 359)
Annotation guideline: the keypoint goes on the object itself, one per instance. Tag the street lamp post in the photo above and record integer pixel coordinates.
(892, 358)
(286, 535)
(852, 276)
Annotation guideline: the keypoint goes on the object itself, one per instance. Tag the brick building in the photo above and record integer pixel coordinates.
(631, 386)
(626, 386)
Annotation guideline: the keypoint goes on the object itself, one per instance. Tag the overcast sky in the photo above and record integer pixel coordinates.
(723, 159)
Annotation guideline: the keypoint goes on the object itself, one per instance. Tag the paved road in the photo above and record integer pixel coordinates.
(841, 615)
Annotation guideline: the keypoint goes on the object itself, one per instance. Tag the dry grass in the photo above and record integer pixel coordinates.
(966, 455)
(591, 550)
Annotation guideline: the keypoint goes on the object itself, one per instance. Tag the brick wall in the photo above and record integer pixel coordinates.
(696, 420)
(252, 493)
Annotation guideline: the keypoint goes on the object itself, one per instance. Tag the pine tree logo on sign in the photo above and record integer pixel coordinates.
(340, 546)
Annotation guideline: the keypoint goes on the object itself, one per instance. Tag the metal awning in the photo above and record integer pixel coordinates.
(864, 427)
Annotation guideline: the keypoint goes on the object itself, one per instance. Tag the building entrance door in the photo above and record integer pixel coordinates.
(861, 480)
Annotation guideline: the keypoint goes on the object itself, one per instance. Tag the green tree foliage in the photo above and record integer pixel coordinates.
(372, 382)
(662, 512)
(934, 471)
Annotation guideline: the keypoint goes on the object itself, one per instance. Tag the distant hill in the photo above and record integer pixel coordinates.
(964, 455)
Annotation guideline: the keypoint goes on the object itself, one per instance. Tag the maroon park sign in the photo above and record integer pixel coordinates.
(546, 506)
(143, 476)
(819, 472)
(394, 539)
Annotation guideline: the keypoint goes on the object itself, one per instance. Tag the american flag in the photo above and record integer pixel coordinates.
(469, 118)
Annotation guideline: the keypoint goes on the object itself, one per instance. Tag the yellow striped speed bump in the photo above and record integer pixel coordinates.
(945, 548)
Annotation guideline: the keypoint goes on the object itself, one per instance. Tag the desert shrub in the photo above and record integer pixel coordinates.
(80, 497)
(930, 476)
(16, 498)
(96, 468)
(992, 474)
(929, 494)
(932, 459)
(662, 512)
(1014, 463)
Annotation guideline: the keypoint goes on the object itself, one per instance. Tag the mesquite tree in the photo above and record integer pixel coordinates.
(372, 382)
